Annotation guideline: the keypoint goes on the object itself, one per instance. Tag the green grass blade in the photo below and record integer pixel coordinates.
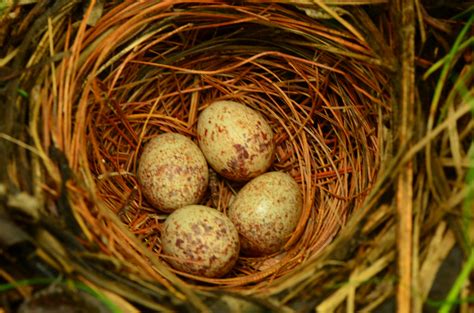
(447, 66)
(458, 284)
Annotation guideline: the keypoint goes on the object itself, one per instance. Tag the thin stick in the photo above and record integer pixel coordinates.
(404, 194)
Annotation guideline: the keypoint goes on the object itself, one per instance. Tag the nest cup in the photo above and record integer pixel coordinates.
(145, 69)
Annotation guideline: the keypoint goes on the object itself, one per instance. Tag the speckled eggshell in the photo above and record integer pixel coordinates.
(172, 172)
(200, 240)
(236, 140)
(265, 212)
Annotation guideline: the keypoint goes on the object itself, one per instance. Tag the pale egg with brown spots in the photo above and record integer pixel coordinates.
(200, 240)
(236, 140)
(172, 172)
(265, 212)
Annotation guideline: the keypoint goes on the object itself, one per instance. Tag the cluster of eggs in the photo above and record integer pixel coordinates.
(237, 142)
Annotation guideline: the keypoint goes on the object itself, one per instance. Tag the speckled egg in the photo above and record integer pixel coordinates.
(200, 240)
(236, 140)
(172, 172)
(265, 212)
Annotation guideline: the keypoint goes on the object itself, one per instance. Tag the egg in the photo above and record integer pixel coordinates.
(236, 140)
(200, 240)
(265, 212)
(172, 172)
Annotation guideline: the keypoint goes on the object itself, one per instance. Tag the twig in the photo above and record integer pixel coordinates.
(404, 194)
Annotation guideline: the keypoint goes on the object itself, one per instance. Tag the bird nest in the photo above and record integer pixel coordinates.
(146, 68)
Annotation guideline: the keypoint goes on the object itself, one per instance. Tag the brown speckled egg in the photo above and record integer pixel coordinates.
(172, 172)
(265, 212)
(236, 140)
(200, 240)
